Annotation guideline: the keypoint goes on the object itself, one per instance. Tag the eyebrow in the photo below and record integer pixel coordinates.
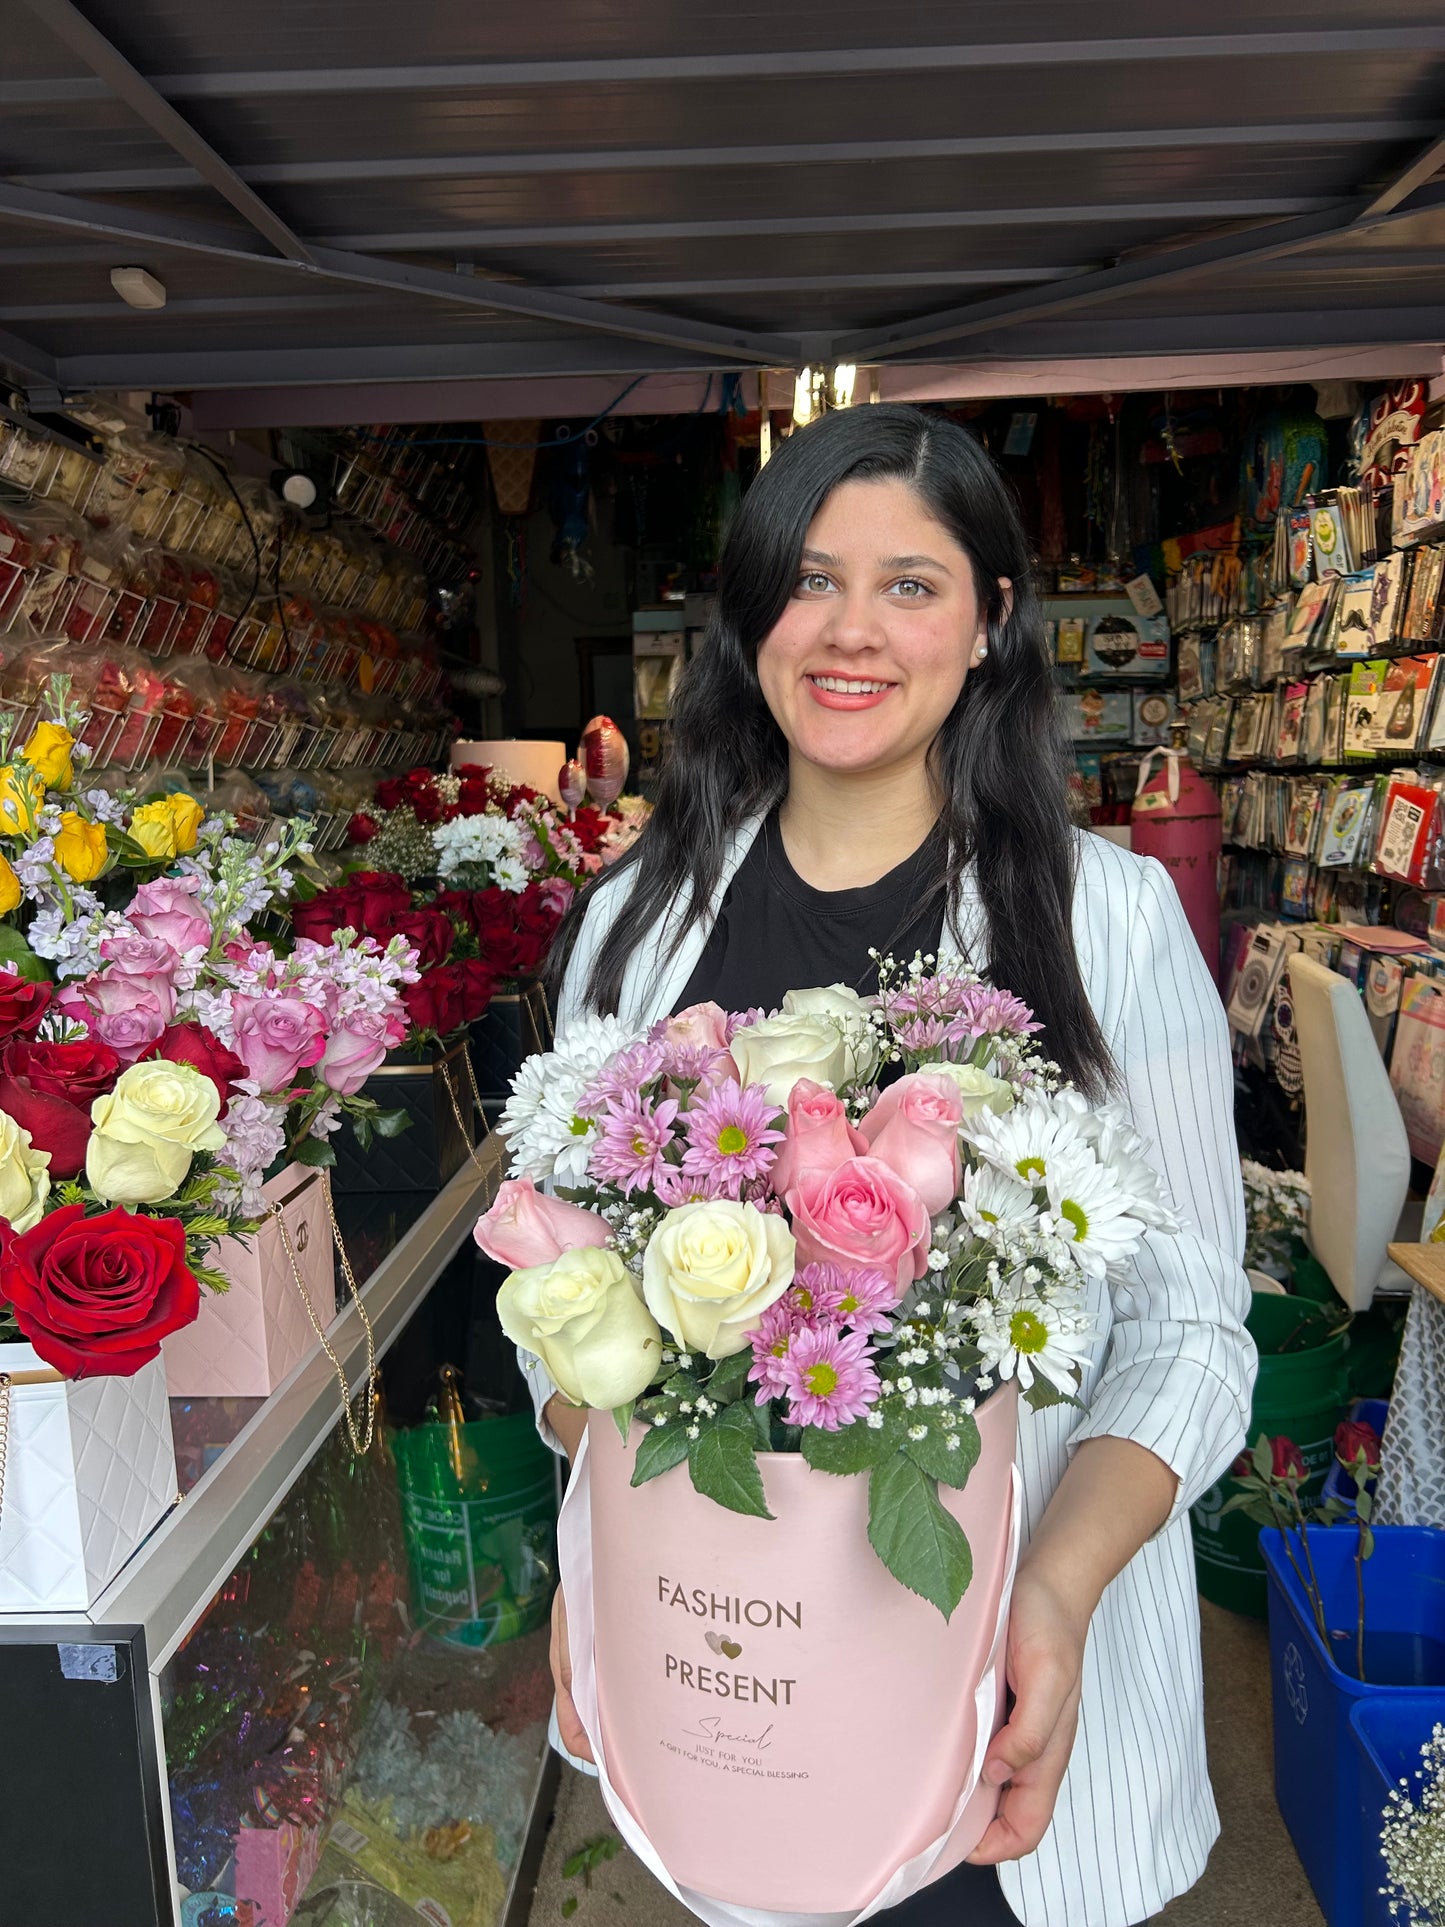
(884, 562)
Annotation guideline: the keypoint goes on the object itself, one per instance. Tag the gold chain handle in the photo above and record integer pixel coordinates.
(360, 1445)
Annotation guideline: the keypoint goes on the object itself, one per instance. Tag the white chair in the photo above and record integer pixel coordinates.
(1357, 1157)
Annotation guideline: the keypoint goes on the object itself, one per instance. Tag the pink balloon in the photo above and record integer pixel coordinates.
(606, 759)
(572, 783)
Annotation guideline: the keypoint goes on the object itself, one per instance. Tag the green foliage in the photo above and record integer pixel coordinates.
(729, 1378)
(16, 955)
(661, 1448)
(314, 1150)
(852, 1448)
(723, 1462)
(622, 1418)
(586, 1860)
(921, 1544)
(931, 1454)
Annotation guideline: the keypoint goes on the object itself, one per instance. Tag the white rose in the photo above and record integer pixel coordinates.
(980, 1091)
(711, 1270)
(148, 1129)
(582, 1317)
(24, 1176)
(777, 1051)
(846, 1008)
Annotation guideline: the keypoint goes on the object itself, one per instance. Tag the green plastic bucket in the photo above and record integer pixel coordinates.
(1301, 1392)
(479, 1507)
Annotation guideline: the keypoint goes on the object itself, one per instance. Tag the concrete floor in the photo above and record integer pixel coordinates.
(1253, 1879)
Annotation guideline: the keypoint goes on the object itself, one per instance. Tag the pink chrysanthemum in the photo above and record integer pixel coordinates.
(730, 1135)
(829, 1378)
(632, 1142)
(861, 1300)
(698, 1064)
(675, 1186)
(743, 1020)
(775, 1332)
(621, 1077)
(937, 1013)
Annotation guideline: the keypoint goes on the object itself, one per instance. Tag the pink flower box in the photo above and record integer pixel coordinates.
(735, 1675)
(274, 1866)
(247, 1339)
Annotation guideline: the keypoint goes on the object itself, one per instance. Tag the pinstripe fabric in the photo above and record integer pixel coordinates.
(1172, 1369)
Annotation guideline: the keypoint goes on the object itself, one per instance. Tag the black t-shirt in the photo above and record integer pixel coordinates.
(776, 933)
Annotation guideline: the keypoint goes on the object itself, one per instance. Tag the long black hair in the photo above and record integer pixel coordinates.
(999, 762)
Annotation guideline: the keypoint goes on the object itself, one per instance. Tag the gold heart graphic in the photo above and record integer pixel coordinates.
(715, 1641)
(731, 1648)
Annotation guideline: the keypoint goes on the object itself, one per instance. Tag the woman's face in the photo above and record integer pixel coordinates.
(865, 663)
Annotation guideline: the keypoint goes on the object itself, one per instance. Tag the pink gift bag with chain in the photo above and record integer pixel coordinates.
(785, 1735)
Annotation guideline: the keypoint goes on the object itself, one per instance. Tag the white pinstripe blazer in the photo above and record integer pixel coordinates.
(1172, 1369)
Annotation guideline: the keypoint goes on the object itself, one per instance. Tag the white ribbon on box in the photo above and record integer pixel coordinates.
(574, 1553)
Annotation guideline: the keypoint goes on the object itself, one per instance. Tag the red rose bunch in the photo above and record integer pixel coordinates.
(589, 826)
(449, 995)
(366, 902)
(95, 1296)
(49, 1088)
(429, 931)
(362, 828)
(417, 791)
(515, 932)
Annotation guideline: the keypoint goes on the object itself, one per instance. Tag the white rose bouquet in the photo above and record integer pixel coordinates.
(829, 1230)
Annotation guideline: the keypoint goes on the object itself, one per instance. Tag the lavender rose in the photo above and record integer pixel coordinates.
(275, 1037)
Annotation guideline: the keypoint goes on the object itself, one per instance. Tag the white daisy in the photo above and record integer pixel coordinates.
(1117, 1144)
(544, 1134)
(1090, 1212)
(1026, 1338)
(1027, 1140)
(992, 1198)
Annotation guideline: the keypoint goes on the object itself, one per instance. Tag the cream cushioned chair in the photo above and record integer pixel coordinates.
(1357, 1158)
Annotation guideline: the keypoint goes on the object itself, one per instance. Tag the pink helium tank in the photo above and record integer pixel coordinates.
(779, 1724)
(1176, 819)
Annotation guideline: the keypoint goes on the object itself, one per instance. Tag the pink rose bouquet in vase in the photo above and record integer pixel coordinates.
(818, 1257)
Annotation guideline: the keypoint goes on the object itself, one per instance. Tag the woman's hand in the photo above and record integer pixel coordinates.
(574, 1738)
(1028, 1755)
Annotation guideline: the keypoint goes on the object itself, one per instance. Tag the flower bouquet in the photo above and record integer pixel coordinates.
(822, 1292)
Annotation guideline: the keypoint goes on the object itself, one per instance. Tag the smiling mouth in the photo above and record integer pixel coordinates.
(849, 685)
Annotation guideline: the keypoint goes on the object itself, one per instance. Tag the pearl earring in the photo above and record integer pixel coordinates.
(981, 652)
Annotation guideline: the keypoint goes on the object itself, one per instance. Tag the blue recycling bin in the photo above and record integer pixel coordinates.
(1388, 1729)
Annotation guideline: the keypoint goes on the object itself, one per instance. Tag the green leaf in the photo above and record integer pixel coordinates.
(622, 1418)
(392, 1123)
(210, 1279)
(1263, 1457)
(723, 1462)
(931, 1454)
(314, 1150)
(1364, 1504)
(569, 1906)
(922, 1545)
(361, 1130)
(1367, 1542)
(16, 955)
(662, 1448)
(730, 1377)
(1041, 1395)
(852, 1448)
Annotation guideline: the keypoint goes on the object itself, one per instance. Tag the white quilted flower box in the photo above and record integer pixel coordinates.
(247, 1339)
(90, 1470)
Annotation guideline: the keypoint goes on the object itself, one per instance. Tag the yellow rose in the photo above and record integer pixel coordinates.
(48, 754)
(148, 1129)
(711, 1271)
(979, 1090)
(777, 1051)
(80, 847)
(153, 827)
(18, 800)
(187, 817)
(24, 1176)
(581, 1315)
(10, 891)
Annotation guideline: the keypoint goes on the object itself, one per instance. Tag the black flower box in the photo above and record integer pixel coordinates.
(432, 1091)
(514, 1025)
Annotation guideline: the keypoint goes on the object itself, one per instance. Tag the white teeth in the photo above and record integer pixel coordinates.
(840, 686)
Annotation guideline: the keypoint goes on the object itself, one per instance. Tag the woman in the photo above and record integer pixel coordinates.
(866, 756)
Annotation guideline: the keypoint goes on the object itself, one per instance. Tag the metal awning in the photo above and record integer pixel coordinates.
(352, 193)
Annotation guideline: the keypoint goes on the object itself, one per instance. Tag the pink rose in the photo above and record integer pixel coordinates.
(356, 1049)
(862, 1214)
(555, 893)
(526, 1227)
(818, 1139)
(168, 909)
(913, 1129)
(150, 960)
(275, 1037)
(128, 1013)
(699, 1024)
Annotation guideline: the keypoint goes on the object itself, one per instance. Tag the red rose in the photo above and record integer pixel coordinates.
(459, 905)
(1354, 1440)
(193, 1044)
(426, 805)
(428, 931)
(95, 1296)
(79, 1073)
(519, 794)
(362, 828)
(326, 913)
(380, 896)
(54, 1123)
(437, 1001)
(589, 826)
(477, 986)
(391, 794)
(1288, 1463)
(22, 1004)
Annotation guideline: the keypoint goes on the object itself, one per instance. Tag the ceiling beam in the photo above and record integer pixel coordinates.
(1264, 243)
(604, 160)
(452, 241)
(1425, 166)
(87, 43)
(25, 363)
(764, 64)
(360, 270)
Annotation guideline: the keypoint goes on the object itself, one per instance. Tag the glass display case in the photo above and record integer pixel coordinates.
(318, 1693)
